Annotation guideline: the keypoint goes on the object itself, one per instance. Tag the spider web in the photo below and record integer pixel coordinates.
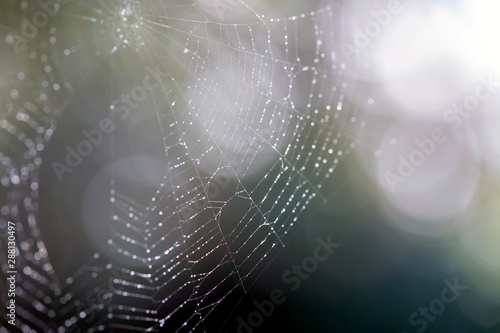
(253, 121)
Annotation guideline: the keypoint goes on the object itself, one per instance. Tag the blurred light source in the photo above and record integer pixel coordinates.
(417, 60)
(484, 137)
(427, 177)
(481, 50)
(243, 132)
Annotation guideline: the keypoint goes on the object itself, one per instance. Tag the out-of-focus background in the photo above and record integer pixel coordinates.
(251, 166)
